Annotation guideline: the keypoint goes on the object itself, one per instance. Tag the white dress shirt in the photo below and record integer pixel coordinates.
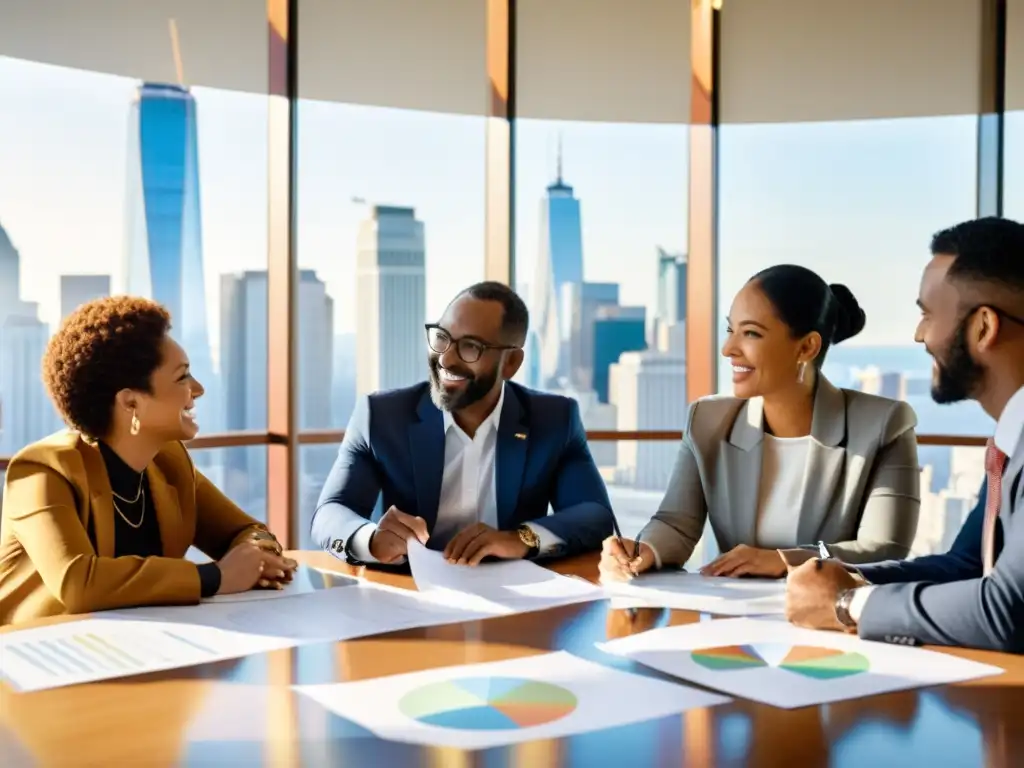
(1007, 436)
(468, 487)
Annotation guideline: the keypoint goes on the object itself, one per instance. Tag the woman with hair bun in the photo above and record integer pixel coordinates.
(100, 516)
(789, 461)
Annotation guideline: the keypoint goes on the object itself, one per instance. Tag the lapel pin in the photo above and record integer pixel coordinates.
(520, 435)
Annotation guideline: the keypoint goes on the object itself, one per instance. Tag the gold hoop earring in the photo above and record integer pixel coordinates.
(136, 424)
(801, 371)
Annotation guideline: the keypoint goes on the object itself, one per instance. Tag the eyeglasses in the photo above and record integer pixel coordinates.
(996, 310)
(469, 349)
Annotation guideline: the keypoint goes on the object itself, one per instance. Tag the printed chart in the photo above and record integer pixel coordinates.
(773, 662)
(478, 706)
(96, 649)
(807, 660)
(487, 703)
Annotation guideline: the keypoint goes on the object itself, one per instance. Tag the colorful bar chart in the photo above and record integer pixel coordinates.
(95, 649)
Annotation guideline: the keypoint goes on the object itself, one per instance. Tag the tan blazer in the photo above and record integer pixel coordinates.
(49, 565)
(861, 492)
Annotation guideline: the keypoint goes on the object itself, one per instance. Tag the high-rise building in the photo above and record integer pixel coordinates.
(163, 253)
(391, 301)
(243, 333)
(10, 274)
(671, 299)
(584, 300)
(615, 330)
(559, 262)
(23, 341)
(649, 392)
(76, 290)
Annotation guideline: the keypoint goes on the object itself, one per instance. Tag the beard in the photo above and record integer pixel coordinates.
(959, 374)
(475, 389)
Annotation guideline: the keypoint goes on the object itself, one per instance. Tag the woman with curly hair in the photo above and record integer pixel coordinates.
(100, 516)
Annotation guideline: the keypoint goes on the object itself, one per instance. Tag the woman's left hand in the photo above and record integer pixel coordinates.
(747, 561)
(267, 541)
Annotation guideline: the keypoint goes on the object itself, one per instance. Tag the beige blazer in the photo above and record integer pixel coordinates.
(57, 532)
(861, 494)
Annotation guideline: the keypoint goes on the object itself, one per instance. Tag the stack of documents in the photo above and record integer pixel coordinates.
(511, 586)
(723, 595)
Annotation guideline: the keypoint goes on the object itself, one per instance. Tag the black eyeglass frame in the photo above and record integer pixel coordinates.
(479, 345)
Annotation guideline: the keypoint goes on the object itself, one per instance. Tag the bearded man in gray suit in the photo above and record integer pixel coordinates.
(972, 324)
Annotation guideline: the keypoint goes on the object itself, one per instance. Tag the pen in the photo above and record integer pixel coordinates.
(823, 554)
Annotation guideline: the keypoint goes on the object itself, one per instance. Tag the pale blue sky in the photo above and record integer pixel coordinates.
(856, 201)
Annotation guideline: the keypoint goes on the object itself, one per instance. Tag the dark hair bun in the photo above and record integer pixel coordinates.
(850, 318)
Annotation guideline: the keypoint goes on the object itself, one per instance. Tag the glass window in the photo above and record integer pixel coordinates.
(123, 176)
(390, 210)
(601, 185)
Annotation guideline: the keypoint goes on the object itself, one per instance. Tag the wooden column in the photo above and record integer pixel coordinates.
(702, 283)
(282, 273)
(500, 127)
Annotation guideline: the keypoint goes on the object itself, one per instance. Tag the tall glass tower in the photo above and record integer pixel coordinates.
(163, 255)
(559, 263)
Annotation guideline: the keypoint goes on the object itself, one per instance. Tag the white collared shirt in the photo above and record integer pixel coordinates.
(1006, 437)
(468, 486)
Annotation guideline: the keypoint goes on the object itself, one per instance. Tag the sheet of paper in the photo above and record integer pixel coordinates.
(329, 615)
(305, 581)
(510, 586)
(478, 706)
(104, 648)
(776, 663)
(711, 594)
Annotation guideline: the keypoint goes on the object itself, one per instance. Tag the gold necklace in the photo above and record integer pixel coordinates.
(137, 493)
(141, 517)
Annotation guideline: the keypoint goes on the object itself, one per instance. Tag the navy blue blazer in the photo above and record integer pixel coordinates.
(962, 562)
(393, 455)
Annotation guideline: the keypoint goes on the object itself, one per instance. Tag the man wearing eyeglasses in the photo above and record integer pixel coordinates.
(972, 324)
(467, 462)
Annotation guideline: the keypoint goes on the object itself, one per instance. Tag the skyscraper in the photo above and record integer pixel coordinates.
(76, 290)
(559, 262)
(28, 413)
(669, 329)
(163, 254)
(10, 275)
(391, 302)
(615, 330)
(649, 392)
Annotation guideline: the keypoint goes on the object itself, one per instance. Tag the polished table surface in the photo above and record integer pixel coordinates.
(242, 712)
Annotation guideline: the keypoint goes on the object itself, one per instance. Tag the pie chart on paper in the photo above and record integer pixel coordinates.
(806, 660)
(487, 703)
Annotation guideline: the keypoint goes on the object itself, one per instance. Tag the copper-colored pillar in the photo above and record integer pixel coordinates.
(992, 108)
(702, 287)
(500, 222)
(282, 273)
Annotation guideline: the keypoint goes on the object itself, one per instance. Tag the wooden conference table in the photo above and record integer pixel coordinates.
(242, 712)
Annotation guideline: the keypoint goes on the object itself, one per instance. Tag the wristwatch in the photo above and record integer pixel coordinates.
(530, 539)
(842, 608)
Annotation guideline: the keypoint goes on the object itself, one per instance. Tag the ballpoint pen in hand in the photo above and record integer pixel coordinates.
(823, 554)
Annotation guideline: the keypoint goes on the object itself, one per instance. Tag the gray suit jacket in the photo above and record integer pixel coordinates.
(983, 612)
(861, 492)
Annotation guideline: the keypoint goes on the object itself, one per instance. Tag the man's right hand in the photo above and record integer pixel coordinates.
(618, 565)
(394, 530)
(243, 567)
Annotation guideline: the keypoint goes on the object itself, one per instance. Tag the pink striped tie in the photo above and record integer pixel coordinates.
(995, 463)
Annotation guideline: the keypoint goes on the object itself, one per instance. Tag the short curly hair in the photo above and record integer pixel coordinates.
(104, 346)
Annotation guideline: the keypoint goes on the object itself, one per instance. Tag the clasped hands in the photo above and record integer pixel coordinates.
(256, 562)
(471, 545)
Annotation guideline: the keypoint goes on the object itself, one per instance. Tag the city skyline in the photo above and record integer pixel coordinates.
(889, 185)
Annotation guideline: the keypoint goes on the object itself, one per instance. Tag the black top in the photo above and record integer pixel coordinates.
(143, 541)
